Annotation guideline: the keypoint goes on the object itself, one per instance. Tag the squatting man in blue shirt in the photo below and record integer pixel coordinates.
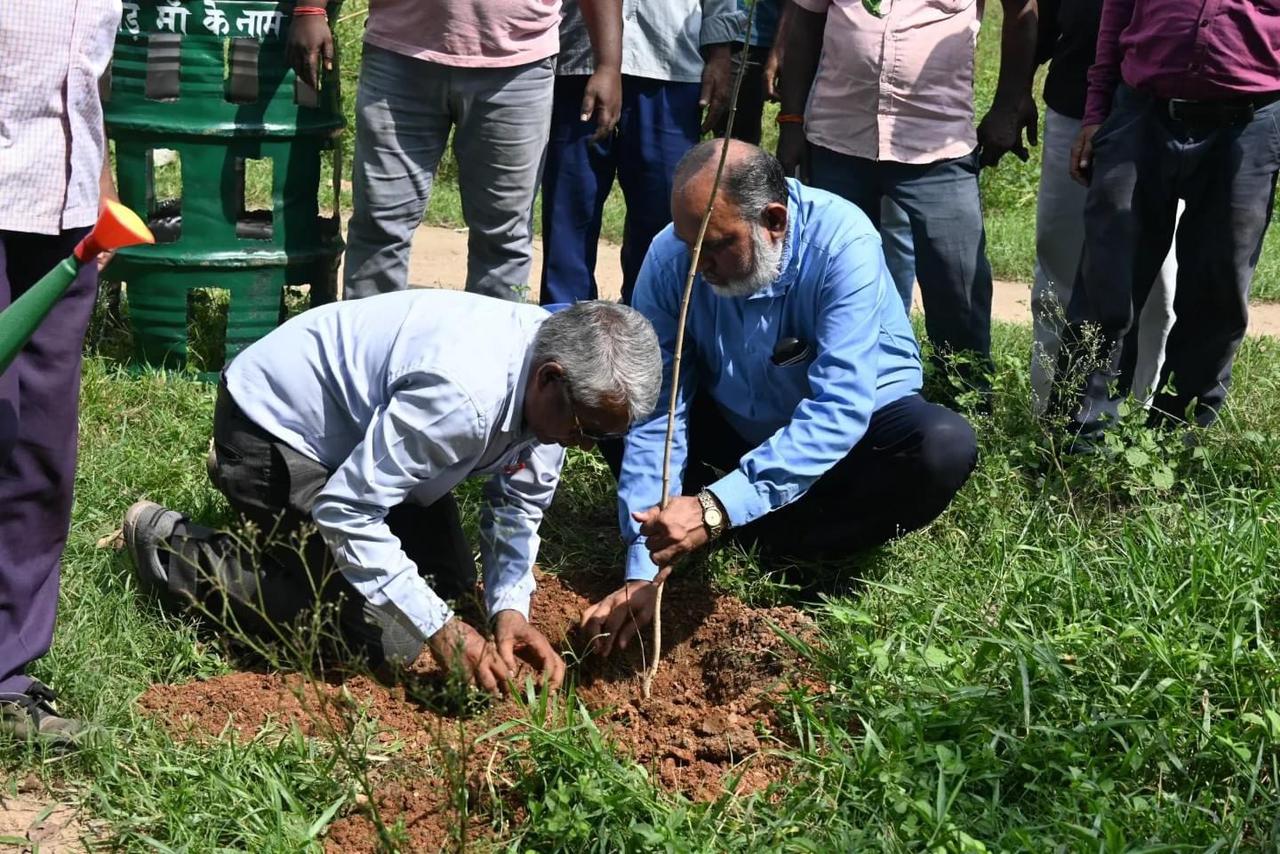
(801, 380)
(357, 420)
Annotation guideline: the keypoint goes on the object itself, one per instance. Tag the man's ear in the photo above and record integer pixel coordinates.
(774, 218)
(549, 372)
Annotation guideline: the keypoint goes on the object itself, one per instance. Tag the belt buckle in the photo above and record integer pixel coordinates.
(1172, 108)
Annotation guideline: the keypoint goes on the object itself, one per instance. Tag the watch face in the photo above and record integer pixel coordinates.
(713, 518)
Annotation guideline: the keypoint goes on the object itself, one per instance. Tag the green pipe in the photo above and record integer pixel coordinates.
(20, 320)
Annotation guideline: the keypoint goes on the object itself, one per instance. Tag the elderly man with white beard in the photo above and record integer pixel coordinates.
(800, 428)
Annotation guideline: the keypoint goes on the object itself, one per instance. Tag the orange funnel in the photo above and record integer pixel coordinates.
(117, 228)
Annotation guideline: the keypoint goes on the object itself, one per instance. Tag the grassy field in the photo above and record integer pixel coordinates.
(1076, 656)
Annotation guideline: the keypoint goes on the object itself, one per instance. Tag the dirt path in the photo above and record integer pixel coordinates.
(439, 259)
(30, 823)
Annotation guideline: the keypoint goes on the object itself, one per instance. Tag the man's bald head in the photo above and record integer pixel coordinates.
(748, 225)
(752, 177)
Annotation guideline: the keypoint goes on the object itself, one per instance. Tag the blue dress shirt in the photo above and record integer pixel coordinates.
(835, 295)
(403, 396)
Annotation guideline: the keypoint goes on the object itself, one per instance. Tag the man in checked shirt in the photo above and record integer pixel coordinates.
(53, 174)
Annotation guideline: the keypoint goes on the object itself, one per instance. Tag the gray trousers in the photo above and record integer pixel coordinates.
(1059, 241)
(405, 110)
(1144, 162)
(264, 579)
(943, 206)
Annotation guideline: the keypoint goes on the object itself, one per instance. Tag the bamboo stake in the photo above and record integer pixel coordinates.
(695, 256)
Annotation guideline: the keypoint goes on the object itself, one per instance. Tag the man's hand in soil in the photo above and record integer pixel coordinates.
(518, 642)
(675, 532)
(457, 646)
(612, 622)
(310, 44)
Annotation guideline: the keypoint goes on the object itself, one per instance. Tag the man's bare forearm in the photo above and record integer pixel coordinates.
(604, 25)
(1018, 39)
(800, 51)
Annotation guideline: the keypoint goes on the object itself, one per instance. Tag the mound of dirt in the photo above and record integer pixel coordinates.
(705, 726)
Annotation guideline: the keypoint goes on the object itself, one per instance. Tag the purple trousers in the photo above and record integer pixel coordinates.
(39, 400)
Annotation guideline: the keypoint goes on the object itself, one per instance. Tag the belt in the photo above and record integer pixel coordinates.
(1226, 113)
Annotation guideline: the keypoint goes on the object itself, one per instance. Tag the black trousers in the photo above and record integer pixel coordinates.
(913, 459)
(279, 568)
(1144, 162)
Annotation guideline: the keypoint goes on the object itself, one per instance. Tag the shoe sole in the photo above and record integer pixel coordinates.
(142, 543)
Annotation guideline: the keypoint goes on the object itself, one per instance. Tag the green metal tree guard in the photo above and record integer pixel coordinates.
(239, 211)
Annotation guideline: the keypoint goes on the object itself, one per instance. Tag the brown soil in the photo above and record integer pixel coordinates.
(708, 724)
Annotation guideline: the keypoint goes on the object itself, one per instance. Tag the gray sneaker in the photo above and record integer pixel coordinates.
(147, 529)
(34, 715)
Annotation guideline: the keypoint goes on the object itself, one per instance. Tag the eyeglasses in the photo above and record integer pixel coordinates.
(593, 435)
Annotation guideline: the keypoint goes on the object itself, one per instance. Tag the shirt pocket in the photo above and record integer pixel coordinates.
(790, 382)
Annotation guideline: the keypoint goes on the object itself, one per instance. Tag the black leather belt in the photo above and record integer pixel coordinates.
(1227, 113)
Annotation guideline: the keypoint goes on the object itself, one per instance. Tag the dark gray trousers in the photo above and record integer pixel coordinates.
(270, 575)
(944, 207)
(39, 406)
(1144, 161)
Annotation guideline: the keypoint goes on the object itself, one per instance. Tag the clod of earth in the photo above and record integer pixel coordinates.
(711, 713)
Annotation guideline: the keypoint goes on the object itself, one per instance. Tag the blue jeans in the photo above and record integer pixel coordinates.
(942, 203)
(899, 253)
(405, 109)
(1144, 161)
(659, 124)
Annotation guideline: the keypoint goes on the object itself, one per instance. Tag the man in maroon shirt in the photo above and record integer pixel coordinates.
(1182, 104)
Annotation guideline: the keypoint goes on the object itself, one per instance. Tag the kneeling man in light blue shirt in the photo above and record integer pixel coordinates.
(800, 428)
(358, 420)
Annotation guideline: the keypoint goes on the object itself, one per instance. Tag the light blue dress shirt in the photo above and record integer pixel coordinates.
(835, 294)
(403, 396)
(661, 39)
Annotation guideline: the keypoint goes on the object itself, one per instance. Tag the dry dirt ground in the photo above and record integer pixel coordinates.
(707, 728)
(32, 821)
(439, 259)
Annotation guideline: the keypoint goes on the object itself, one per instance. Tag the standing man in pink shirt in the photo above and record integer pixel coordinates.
(1182, 104)
(877, 101)
(483, 69)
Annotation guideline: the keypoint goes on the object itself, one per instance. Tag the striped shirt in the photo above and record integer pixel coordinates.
(52, 140)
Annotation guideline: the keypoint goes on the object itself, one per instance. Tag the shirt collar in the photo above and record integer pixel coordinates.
(789, 265)
(514, 422)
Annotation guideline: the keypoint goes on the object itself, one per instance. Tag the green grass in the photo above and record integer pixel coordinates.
(1076, 656)
(1073, 657)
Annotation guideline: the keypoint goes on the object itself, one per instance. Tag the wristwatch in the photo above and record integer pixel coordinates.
(712, 515)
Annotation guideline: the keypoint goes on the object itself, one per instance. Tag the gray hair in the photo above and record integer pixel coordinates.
(609, 353)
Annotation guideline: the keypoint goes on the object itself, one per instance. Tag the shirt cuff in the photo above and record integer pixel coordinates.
(423, 626)
(742, 501)
(1096, 107)
(640, 567)
(723, 29)
(511, 600)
